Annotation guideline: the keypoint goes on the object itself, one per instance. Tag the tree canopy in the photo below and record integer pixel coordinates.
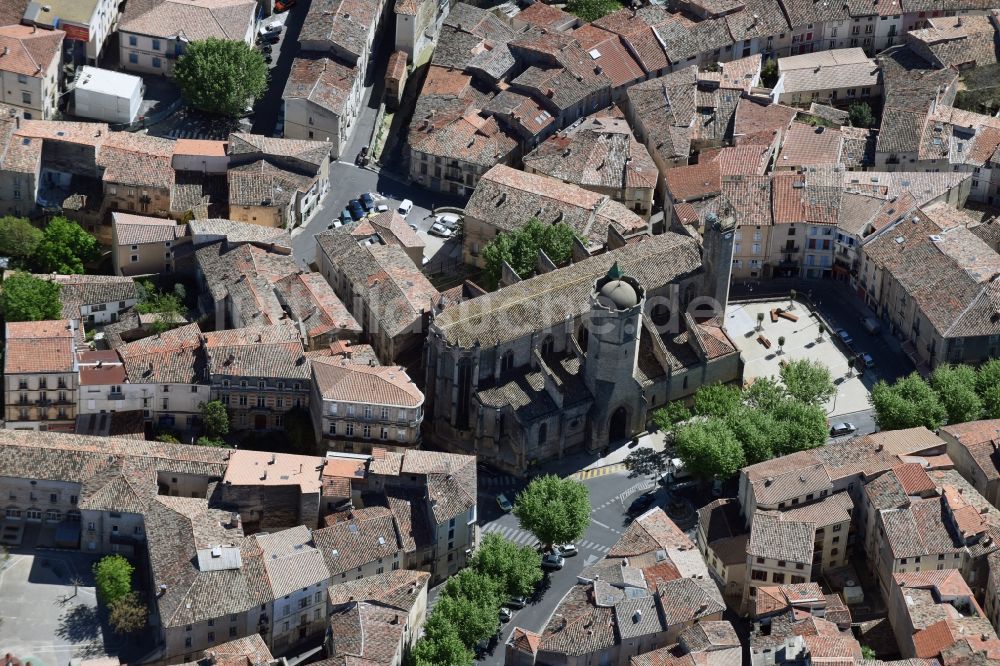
(441, 644)
(710, 450)
(988, 388)
(769, 72)
(645, 461)
(113, 578)
(955, 386)
(64, 248)
(591, 10)
(716, 400)
(127, 614)
(860, 114)
(666, 417)
(167, 306)
(908, 403)
(18, 240)
(27, 298)
(517, 568)
(555, 510)
(221, 76)
(214, 418)
(808, 381)
(520, 249)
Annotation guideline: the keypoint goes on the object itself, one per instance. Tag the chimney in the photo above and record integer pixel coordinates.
(274, 458)
(163, 589)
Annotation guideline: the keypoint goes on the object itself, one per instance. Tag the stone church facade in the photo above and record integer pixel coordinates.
(577, 358)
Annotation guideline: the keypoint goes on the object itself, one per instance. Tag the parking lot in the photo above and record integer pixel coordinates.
(46, 620)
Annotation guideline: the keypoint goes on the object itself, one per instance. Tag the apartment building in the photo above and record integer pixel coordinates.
(322, 99)
(31, 70)
(87, 24)
(153, 35)
(356, 406)
(40, 374)
(839, 76)
(259, 373)
(973, 448)
(144, 245)
(94, 299)
(360, 543)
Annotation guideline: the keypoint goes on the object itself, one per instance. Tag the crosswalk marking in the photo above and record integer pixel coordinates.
(598, 471)
(525, 538)
(498, 481)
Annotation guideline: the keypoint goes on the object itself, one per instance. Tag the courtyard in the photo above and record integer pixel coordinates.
(46, 619)
(802, 341)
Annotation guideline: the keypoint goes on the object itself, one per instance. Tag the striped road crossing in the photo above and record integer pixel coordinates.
(498, 481)
(525, 538)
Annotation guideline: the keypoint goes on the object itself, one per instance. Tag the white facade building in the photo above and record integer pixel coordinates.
(109, 96)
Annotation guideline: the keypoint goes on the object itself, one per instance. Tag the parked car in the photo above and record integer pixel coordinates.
(845, 428)
(566, 549)
(267, 48)
(368, 201)
(516, 602)
(447, 220)
(381, 208)
(871, 325)
(413, 226)
(268, 59)
(336, 224)
(274, 26)
(345, 216)
(845, 336)
(553, 561)
(405, 207)
(868, 361)
(284, 5)
(505, 615)
(641, 503)
(357, 210)
(270, 38)
(438, 229)
(504, 503)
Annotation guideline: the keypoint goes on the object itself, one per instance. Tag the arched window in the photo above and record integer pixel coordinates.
(543, 433)
(507, 361)
(548, 345)
(583, 336)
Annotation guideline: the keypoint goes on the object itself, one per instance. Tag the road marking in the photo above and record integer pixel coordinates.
(598, 471)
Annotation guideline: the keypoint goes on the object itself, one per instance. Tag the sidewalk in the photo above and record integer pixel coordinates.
(578, 462)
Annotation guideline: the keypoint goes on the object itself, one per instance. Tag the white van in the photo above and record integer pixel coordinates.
(405, 207)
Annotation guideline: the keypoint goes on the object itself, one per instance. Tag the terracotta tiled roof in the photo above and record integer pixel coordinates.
(375, 385)
(39, 346)
(171, 357)
(344, 23)
(367, 537)
(608, 52)
(774, 538)
(257, 351)
(200, 147)
(311, 300)
(397, 589)
(695, 181)
(322, 81)
(137, 159)
(139, 229)
(27, 50)
(193, 19)
(754, 119)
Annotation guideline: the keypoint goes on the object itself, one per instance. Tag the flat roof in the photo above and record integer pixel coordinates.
(253, 468)
(75, 11)
(105, 81)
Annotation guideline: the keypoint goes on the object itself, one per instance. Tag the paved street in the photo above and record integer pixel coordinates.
(610, 495)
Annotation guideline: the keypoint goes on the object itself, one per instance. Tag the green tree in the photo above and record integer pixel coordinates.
(215, 418)
(988, 388)
(756, 431)
(716, 400)
(554, 510)
(591, 10)
(800, 426)
(167, 306)
(808, 381)
(666, 417)
(212, 442)
(646, 461)
(473, 619)
(221, 76)
(441, 644)
(64, 248)
(765, 393)
(860, 114)
(520, 249)
(867, 653)
(18, 239)
(709, 449)
(517, 568)
(113, 577)
(769, 73)
(127, 614)
(480, 588)
(167, 438)
(908, 403)
(27, 298)
(956, 389)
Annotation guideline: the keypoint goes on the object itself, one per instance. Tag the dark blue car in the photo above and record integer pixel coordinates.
(357, 210)
(368, 201)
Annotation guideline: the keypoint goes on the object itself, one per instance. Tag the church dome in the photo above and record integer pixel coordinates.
(619, 293)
